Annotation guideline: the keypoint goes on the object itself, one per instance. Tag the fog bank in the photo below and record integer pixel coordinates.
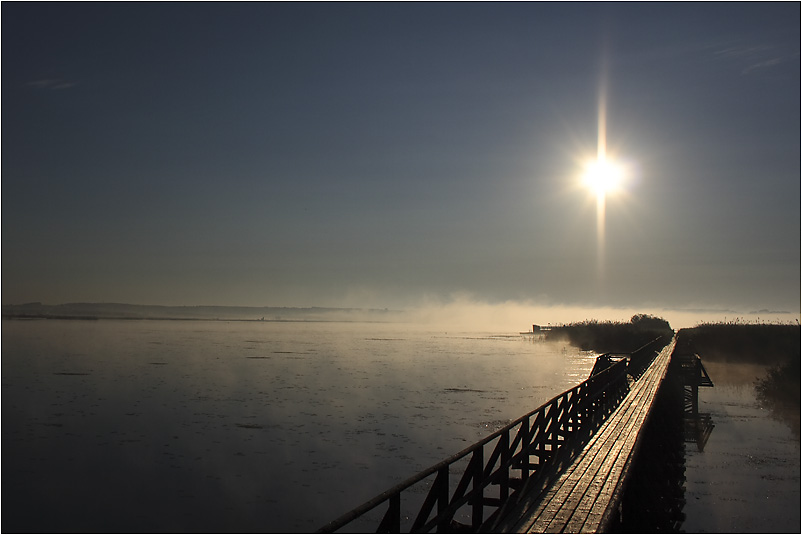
(464, 313)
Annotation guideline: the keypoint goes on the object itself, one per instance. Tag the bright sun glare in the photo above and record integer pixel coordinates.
(602, 176)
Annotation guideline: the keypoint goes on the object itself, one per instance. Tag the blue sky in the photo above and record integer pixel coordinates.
(333, 154)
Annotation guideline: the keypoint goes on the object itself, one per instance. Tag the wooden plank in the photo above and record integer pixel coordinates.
(555, 498)
(605, 474)
(599, 465)
(559, 497)
(580, 498)
(606, 498)
(598, 453)
(613, 497)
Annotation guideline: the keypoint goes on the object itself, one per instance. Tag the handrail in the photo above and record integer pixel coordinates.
(640, 359)
(558, 428)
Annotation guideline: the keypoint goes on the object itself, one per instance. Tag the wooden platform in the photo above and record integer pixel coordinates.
(584, 498)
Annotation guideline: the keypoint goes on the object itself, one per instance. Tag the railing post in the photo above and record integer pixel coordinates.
(391, 523)
(554, 425)
(525, 448)
(443, 522)
(504, 479)
(478, 470)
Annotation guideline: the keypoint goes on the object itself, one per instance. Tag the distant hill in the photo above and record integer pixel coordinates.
(97, 311)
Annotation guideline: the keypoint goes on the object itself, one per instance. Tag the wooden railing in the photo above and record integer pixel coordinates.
(521, 454)
(641, 358)
(471, 491)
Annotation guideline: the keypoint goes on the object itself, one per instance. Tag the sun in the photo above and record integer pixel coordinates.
(602, 176)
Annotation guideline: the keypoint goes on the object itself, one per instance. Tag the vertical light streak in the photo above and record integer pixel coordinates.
(600, 209)
(601, 149)
(601, 157)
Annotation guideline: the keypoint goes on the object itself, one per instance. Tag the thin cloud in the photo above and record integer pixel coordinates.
(762, 65)
(742, 51)
(756, 57)
(745, 58)
(51, 83)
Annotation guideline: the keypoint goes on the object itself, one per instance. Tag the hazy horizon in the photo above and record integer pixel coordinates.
(461, 313)
(423, 156)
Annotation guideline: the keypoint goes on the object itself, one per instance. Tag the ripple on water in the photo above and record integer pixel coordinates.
(190, 413)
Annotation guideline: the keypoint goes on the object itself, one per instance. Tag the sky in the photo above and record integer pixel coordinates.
(387, 155)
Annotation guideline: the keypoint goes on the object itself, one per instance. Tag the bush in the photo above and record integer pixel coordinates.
(612, 337)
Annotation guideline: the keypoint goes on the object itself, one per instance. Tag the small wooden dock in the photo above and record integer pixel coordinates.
(586, 495)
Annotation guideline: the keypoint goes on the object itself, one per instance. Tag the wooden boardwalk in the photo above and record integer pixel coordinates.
(559, 468)
(585, 496)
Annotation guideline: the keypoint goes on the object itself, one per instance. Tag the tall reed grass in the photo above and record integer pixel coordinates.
(775, 346)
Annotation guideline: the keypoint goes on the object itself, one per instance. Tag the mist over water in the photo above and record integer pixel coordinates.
(247, 426)
(252, 426)
(461, 311)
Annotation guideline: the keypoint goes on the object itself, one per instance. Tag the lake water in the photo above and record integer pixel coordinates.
(205, 426)
(196, 426)
(746, 479)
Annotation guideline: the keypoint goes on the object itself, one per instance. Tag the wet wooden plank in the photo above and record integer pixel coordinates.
(607, 497)
(594, 467)
(607, 477)
(581, 498)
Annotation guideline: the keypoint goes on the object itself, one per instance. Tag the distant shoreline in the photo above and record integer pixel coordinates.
(122, 311)
(129, 318)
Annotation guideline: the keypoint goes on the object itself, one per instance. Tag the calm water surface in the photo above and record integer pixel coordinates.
(245, 426)
(747, 477)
